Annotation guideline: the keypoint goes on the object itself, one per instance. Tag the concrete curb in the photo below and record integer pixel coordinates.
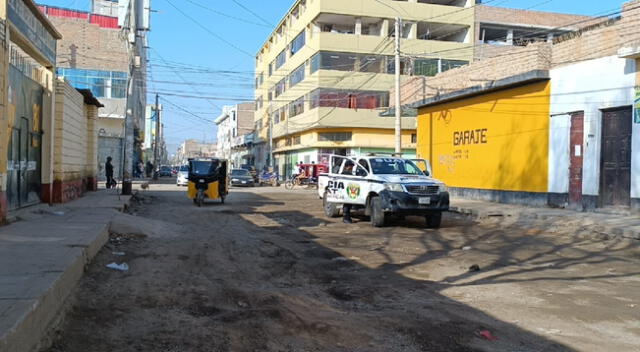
(42, 312)
(27, 320)
(601, 228)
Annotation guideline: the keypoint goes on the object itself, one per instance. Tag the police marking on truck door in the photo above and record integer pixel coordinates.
(335, 189)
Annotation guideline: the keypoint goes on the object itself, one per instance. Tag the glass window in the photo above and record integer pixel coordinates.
(119, 88)
(324, 97)
(281, 59)
(334, 136)
(338, 61)
(280, 87)
(315, 63)
(425, 67)
(298, 43)
(393, 166)
(296, 107)
(296, 76)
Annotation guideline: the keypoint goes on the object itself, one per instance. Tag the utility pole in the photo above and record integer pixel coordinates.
(271, 163)
(156, 147)
(398, 100)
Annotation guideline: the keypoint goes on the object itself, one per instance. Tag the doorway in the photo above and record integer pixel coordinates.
(576, 152)
(615, 171)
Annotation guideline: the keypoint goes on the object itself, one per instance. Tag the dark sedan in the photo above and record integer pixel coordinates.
(242, 177)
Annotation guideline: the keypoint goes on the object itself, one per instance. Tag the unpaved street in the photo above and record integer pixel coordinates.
(268, 272)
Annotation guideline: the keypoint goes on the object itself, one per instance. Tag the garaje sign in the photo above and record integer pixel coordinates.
(477, 136)
(23, 19)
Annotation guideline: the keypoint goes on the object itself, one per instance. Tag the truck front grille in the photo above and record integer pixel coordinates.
(423, 190)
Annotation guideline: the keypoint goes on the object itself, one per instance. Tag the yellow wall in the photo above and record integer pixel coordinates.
(511, 153)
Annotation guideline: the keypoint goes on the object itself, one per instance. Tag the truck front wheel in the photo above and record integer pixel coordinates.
(434, 220)
(330, 209)
(378, 216)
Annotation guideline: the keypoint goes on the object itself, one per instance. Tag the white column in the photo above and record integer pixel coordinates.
(510, 36)
(358, 29)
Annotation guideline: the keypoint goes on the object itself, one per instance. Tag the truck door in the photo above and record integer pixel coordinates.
(424, 165)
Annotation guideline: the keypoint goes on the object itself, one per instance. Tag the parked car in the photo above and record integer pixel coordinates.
(183, 176)
(165, 170)
(242, 177)
(383, 186)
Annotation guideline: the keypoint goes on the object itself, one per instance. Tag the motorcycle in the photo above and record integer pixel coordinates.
(269, 178)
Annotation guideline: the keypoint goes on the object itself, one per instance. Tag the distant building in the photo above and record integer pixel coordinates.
(192, 148)
(234, 123)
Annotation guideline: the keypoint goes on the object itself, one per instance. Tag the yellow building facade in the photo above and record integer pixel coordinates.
(497, 141)
(328, 67)
(27, 68)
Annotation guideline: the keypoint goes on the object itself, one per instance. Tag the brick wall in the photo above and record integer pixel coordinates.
(88, 46)
(75, 146)
(502, 15)
(520, 59)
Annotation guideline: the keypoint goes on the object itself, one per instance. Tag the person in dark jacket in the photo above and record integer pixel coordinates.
(108, 170)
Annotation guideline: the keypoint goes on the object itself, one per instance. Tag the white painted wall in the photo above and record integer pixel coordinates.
(559, 155)
(590, 86)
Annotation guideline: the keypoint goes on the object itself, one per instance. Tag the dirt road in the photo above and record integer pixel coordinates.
(268, 272)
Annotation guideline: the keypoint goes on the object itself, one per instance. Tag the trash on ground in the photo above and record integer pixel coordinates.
(474, 268)
(466, 248)
(120, 254)
(120, 267)
(486, 334)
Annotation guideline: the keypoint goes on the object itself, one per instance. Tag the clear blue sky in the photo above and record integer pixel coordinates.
(184, 44)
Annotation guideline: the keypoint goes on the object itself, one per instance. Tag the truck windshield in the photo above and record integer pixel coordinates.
(384, 166)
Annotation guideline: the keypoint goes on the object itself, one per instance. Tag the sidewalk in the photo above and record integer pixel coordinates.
(42, 258)
(627, 226)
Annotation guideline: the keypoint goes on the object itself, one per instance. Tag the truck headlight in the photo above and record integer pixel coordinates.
(443, 188)
(394, 187)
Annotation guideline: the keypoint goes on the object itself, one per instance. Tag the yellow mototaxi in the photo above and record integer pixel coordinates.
(208, 179)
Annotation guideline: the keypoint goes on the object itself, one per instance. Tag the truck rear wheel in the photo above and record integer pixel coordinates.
(434, 220)
(378, 217)
(330, 209)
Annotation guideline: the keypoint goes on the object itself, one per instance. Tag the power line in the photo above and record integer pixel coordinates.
(206, 29)
(253, 13)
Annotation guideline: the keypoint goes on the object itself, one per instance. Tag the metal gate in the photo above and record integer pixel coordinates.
(615, 175)
(24, 182)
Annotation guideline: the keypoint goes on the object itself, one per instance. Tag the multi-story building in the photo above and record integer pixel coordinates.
(192, 148)
(97, 60)
(325, 72)
(234, 121)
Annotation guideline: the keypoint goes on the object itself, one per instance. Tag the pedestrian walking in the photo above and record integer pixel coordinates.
(108, 170)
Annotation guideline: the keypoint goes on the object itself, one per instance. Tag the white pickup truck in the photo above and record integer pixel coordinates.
(382, 186)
